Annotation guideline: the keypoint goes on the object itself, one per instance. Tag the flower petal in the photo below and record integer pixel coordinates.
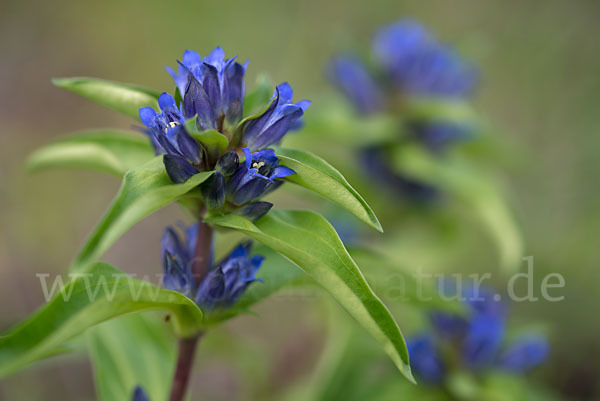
(196, 102)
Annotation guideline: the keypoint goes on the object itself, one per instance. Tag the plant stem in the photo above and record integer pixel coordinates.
(203, 252)
(187, 346)
(185, 361)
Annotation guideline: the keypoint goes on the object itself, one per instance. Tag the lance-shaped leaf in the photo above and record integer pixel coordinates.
(97, 294)
(308, 240)
(122, 97)
(106, 150)
(145, 189)
(469, 184)
(137, 349)
(316, 174)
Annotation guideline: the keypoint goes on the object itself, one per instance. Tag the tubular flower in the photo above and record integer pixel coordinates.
(235, 186)
(280, 117)
(416, 63)
(255, 176)
(182, 154)
(426, 361)
(177, 260)
(480, 337)
(212, 88)
(225, 281)
(408, 65)
(228, 280)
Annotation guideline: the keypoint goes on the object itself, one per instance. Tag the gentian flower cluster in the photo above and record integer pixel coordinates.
(222, 285)
(407, 63)
(475, 343)
(211, 94)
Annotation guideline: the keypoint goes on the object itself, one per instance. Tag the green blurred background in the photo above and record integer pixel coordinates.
(540, 89)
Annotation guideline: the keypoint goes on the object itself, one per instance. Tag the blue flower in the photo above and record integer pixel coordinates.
(212, 88)
(228, 280)
(476, 340)
(280, 117)
(182, 154)
(255, 176)
(139, 394)
(225, 281)
(424, 359)
(525, 353)
(417, 64)
(352, 77)
(483, 339)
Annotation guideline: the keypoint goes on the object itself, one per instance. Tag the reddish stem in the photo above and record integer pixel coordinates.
(187, 346)
(185, 361)
(203, 252)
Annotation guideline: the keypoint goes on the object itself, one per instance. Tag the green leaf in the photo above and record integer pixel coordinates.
(316, 174)
(256, 100)
(332, 121)
(308, 240)
(428, 108)
(145, 189)
(106, 150)
(470, 184)
(122, 97)
(132, 350)
(95, 295)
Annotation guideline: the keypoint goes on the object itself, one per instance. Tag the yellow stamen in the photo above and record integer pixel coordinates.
(258, 165)
(172, 124)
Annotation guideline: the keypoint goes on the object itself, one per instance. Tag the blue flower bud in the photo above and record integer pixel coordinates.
(139, 395)
(255, 210)
(281, 117)
(228, 163)
(213, 191)
(255, 176)
(425, 360)
(177, 263)
(525, 353)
